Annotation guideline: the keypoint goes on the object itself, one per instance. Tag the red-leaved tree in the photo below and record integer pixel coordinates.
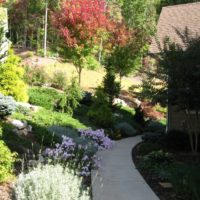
(80, 23)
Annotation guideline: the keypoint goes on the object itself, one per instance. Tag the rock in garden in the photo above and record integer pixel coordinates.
(19, 124)
(137, 102)
(119, 102)
(165, 185)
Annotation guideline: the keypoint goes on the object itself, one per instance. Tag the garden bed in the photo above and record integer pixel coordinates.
(163, 189)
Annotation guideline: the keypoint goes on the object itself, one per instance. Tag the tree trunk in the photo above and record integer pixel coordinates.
(45, 28)
(79, 76)
(100, 50)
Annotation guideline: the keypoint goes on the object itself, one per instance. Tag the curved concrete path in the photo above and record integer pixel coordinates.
(118, 179)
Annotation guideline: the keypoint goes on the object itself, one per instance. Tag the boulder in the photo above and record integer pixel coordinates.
(118, 101)
(19, 124)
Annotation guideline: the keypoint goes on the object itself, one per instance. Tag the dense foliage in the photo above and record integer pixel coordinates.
(7, 106)
(7, 162)
(50, 182)
(11, 78)
(44, 97)
(70, 100)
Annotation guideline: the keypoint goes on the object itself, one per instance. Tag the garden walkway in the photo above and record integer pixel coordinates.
(118, 179)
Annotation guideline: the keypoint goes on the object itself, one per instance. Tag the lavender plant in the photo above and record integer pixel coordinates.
(80, 153)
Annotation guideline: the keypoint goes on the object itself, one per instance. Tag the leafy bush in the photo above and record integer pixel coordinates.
(36, 76)
(155, 126)
(23, 110)
(146, 148)
(44, 97)
(59, 79)
(43, 119)
(176, 140)
(100, 112)
(11, 74)
(125, 129)
(87, 98)
(6, 163)
(186, 181)
(154, 137)
(50, 182)
(7, 105)
(110, 86)
(70, 101)
(156, 161)
(92, 63)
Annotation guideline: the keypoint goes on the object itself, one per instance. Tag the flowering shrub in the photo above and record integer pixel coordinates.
(79, 153)
(50, 182)
(98, 137)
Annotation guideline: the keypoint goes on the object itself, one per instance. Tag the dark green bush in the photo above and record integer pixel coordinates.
(110, 86)
(154, 137)
(7, 105)
(186, 181)
(44, 97)
(176, 140)
(147, 147)
(70, 100)
(100, 112)
(156, 161)
(125, 129)
(155, 126)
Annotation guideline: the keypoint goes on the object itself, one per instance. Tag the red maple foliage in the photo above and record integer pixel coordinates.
(79, 21)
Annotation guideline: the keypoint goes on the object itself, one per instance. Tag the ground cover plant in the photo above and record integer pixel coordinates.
(40, 184)
(44, 97)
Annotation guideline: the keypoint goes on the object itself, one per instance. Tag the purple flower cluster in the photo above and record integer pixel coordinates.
(79, 156)
(100, 140)
(63, 151)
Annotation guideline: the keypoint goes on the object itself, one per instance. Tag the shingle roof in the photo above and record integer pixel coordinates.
(176, 18)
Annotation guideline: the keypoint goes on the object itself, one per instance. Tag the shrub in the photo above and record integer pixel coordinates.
(110, 86)
(44, 97)
(70, 101)
(7, 105)
(87, 98)
(100, 112)
(92, 63)
(50, 182)
(154, 137)
(6, 162)
(186, 181)
(125, 129)
(176, 140)
(146, 148)
(36, 76)
(79, 152)
(11, 74)
(155, 126)
(156, 160)
(59, 79)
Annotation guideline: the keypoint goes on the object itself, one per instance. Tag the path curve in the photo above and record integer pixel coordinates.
(118, 178)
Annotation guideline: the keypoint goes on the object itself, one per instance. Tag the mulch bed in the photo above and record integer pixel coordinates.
(6, 190)
(153, 181)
